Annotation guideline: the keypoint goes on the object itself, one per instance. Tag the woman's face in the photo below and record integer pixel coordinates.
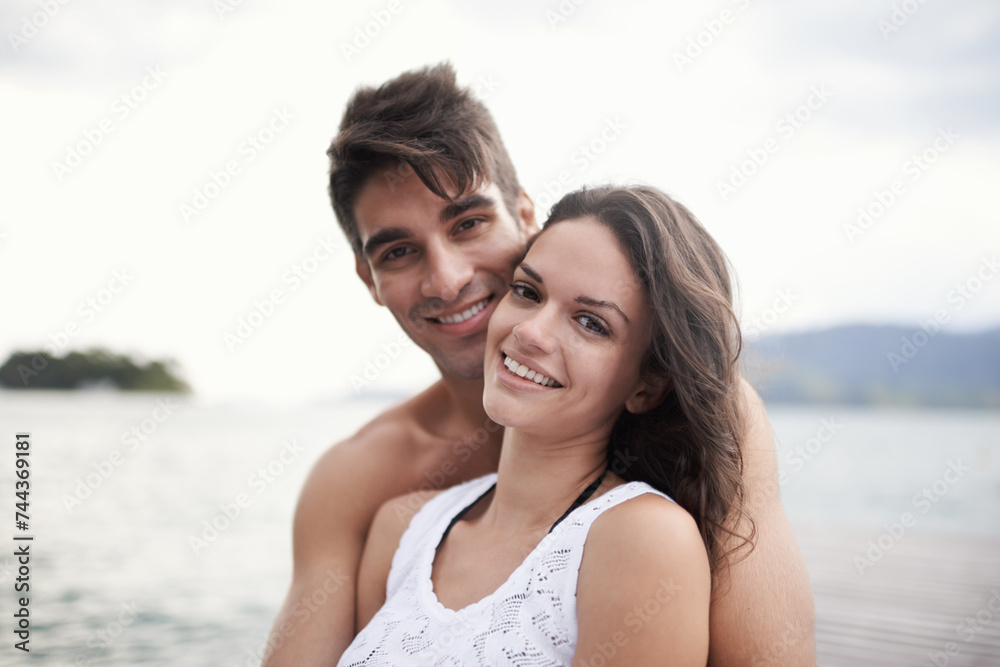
(577, 320)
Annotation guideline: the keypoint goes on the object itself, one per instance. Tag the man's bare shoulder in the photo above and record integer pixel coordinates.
(415, 445)
(345, 489)
(388, 527)
(398, 429)
(759, 441)
(385, 444)
(355, 476)
(393, 517)
(771, 578)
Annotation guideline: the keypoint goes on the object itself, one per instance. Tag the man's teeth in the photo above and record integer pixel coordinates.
(528, 374)
(464, 315)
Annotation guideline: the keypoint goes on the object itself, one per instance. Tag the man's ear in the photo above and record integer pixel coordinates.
(526, 214)
(647, 395)
(365, 273)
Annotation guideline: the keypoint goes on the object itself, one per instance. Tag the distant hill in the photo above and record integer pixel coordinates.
(82, 370)
(877, 365)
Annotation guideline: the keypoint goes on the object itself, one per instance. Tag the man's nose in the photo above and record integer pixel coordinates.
(448, 271)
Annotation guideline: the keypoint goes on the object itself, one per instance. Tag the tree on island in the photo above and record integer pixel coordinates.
(80, 370)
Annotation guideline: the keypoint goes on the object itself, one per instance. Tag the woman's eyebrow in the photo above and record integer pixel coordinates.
(531, 273)
(582, 300)
(587, 301)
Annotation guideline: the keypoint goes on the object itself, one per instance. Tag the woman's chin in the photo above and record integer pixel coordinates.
(497, 411)
(512, 414)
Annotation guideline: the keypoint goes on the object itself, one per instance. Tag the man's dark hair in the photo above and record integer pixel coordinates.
(423, 120)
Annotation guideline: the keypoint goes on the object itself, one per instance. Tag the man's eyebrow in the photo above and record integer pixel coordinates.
(384, 236)
(587, 301)
(459, 207)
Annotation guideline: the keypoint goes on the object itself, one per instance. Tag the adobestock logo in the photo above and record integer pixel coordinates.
(373, 367)
(883, 200)
(230, 511)
(381, 18)
(962, 294)
(218, 180)
(121, 108)
(31, 25)
(786, 126)
(585, 155)
(924, 500)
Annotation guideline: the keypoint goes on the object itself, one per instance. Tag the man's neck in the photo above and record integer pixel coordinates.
(466, 399)
(456, 414)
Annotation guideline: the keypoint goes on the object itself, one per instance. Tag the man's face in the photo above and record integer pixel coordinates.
(439, 268)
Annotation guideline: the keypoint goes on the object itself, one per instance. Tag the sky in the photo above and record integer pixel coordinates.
(164, 167)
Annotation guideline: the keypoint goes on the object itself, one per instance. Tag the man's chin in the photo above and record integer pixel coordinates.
(461, 371)
(458, 361)
(461, 367)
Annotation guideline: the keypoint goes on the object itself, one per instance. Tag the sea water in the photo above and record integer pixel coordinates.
(162, 526)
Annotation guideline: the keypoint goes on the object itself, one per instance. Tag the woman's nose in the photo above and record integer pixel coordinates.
(537, 330)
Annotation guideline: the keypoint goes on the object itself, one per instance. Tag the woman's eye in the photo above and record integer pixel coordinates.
(524, 291)
(593, 324)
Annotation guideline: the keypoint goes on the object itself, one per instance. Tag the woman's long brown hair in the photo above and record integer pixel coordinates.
(689, 446)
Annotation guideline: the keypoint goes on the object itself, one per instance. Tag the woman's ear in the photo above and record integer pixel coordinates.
(647, 395)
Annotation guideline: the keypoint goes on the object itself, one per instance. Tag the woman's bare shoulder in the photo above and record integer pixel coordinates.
(647, 522)
(645, 580)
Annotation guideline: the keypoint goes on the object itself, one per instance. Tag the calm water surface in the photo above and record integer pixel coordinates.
(119, 576)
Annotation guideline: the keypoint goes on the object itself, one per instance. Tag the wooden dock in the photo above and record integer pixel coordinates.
(929, 599)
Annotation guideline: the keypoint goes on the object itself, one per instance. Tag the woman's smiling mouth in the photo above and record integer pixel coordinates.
(528, 373)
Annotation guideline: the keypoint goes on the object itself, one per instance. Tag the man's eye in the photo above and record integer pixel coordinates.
(395, 253)
(466, 225)
(523, 291)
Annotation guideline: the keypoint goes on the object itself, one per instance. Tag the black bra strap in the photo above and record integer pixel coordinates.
(581, 499)
(458, 516)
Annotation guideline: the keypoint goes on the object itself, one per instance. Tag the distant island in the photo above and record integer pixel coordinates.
(877, 365)
(86, 370)
(853, 365)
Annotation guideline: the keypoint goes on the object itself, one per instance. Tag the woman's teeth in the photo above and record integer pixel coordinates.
(528, 374)
(464, 315)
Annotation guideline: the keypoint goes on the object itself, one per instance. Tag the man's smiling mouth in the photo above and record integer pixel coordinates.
(466, 314)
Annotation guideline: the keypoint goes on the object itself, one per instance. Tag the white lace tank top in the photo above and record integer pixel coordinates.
(530, 620)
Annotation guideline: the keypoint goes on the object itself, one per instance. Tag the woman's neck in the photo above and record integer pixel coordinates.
(538, 479)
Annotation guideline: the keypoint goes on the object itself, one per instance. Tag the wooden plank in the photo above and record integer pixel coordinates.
(911, 606)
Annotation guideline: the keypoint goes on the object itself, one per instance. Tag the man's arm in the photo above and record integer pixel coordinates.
(763, 611)
(391, 521)
(341, 496)
(644, 588)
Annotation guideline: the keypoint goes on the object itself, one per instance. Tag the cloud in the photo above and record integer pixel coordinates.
(61, 43)
(940, 62)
